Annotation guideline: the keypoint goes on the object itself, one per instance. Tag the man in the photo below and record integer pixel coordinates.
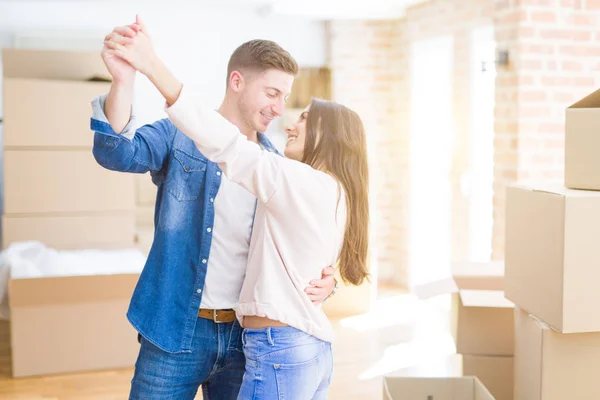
(182, 304)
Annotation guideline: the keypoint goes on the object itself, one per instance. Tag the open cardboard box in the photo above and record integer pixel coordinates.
(481, 319)
(71, 324)
(473, 276)
(484, 323)
(456, 388)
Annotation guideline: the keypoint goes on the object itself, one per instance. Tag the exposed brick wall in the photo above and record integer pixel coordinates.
(371, 72)
(554, 61)
(367, 76)
(506, 124)
(554, 51)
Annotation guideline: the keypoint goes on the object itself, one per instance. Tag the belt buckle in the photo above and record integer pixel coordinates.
(215, 317)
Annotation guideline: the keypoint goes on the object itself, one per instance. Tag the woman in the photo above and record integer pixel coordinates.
(313, 211)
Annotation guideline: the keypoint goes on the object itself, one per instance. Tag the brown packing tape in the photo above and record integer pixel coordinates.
(32, 292)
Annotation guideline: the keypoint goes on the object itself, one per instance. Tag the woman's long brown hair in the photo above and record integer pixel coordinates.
(336, 143)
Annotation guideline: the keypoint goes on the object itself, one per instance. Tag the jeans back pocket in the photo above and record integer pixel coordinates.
(298, 380)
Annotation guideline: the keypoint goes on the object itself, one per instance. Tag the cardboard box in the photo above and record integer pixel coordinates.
(487, 304)
(460, 388)
(465, 275)
(71, 324)
(552, 255)
(62, 112)
(582, 164)
(53, 181)
(484, 323)
(553, 366)
(53, 86)
(495, 372)
(145, 190)
(52, 64)
(111, 230)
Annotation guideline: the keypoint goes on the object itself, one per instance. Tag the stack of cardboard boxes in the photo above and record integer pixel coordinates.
(56, 193)
(481, 323)
(485, 338)
(552, 261)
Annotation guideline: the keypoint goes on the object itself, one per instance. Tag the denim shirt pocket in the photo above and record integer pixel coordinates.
(186, 175)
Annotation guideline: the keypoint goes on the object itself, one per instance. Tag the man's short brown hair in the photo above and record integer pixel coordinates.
(261, 55)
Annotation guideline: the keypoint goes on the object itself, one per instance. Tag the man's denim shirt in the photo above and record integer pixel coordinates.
(165, 303)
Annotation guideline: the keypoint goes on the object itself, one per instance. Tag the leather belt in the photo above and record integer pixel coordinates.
(218, 316)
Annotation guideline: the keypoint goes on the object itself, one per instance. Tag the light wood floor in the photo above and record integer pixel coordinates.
(401, 336)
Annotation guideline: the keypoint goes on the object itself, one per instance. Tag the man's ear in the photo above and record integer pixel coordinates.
(236, 81)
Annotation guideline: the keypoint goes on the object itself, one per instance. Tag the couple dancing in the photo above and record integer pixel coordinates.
(245, 239)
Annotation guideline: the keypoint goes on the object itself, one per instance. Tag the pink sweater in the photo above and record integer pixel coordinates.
(299, 225)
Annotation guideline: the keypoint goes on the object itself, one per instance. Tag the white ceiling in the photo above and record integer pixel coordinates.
(314, 9)
(341, 9)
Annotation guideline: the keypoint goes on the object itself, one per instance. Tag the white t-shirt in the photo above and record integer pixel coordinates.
(234, 213)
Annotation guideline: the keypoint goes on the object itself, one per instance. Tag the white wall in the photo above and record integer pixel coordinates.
(195, 40)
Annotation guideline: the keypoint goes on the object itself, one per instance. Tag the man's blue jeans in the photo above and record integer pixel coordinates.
(216, 362)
